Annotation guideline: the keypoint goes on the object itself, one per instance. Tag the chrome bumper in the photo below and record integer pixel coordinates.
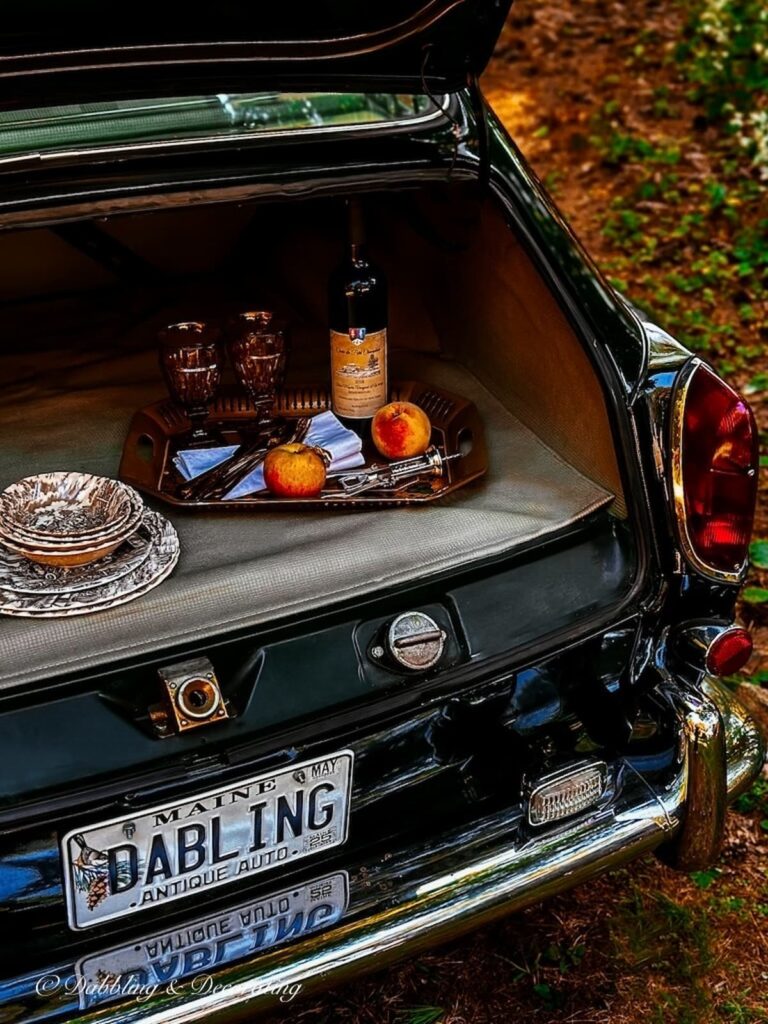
(720, 754)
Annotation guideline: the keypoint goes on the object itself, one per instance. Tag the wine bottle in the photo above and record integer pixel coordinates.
(358, 323)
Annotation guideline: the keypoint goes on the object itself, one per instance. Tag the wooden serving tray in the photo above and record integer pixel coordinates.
(159, 431)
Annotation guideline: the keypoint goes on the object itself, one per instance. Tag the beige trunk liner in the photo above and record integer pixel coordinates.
(238, 570)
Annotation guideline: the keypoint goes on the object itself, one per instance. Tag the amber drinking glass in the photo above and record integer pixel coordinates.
(191, 359)
(257, 351)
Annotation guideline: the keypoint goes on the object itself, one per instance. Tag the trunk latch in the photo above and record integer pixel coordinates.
(192, 698)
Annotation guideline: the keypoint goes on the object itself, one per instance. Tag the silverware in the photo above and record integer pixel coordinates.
(395, 475)
(207, 482)
(217, 482)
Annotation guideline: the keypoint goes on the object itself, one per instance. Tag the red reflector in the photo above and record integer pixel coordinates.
(715, 459)
(729, 652)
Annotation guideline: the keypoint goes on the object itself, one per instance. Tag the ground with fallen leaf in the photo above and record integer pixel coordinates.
(648, 122)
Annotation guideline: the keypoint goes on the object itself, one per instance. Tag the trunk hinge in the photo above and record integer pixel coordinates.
(480, 111)
(457, 132)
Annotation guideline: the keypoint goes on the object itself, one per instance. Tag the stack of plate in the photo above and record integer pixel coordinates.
(72, 543)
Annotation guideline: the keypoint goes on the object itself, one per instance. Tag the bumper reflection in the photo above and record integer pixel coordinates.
(199, 948)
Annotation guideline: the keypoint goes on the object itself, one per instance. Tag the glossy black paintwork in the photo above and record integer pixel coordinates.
(492, 620)
(397, 866)
(416, 775)
(47, 49)
(533, 678)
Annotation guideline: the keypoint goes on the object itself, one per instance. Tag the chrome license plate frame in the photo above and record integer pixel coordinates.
(123, 866)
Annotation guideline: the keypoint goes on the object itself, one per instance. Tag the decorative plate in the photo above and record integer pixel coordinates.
(160, 562)
(18, 575)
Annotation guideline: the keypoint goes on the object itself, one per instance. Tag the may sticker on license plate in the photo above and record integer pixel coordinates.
(125, 865)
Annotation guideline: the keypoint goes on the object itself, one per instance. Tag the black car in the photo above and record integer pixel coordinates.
(407, 720)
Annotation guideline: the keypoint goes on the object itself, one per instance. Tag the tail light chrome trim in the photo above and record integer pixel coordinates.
(689, 551)
(698, 644)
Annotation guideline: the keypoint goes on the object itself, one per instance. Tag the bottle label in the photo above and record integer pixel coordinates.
(358, 372)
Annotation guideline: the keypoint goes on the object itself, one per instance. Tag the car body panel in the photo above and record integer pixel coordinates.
(399, 899)
(411, 45)
(437, 823)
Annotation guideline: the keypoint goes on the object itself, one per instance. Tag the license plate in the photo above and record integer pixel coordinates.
(211, 942)
(127, 865)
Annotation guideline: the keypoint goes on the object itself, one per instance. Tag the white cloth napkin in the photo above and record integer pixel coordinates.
(325, 431)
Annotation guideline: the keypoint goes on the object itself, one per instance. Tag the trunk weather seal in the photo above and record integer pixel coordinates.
(480, 112)
(222, 140)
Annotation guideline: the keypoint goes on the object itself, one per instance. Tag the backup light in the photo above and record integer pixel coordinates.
(567, 792)
(714, 449)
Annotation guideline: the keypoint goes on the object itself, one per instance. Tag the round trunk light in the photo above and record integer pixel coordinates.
(729, 652)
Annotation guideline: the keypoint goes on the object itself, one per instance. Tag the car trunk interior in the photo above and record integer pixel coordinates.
(469, 312)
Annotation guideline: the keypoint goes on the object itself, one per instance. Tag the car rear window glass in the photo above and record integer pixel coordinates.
(85, 125)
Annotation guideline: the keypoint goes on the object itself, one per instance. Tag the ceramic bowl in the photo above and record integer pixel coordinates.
(121, 530)
(67, 519)
(65, 557)
(68, 509)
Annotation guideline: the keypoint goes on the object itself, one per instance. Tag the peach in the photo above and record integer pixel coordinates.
(295, 471)
(401, 430)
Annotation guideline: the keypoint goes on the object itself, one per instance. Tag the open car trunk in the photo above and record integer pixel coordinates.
(468, 313)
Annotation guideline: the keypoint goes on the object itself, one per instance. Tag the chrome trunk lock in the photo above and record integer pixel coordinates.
(412, 641)
(192, 698)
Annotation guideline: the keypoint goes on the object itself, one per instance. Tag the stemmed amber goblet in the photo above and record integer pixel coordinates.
(191, 358)
(257, 351)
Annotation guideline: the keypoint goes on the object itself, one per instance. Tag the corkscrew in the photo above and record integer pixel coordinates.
(395, 474)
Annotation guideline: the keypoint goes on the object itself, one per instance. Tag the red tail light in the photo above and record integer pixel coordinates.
(714, 469)
(729, 652)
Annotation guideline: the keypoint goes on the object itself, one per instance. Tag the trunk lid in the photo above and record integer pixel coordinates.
(74, 52)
